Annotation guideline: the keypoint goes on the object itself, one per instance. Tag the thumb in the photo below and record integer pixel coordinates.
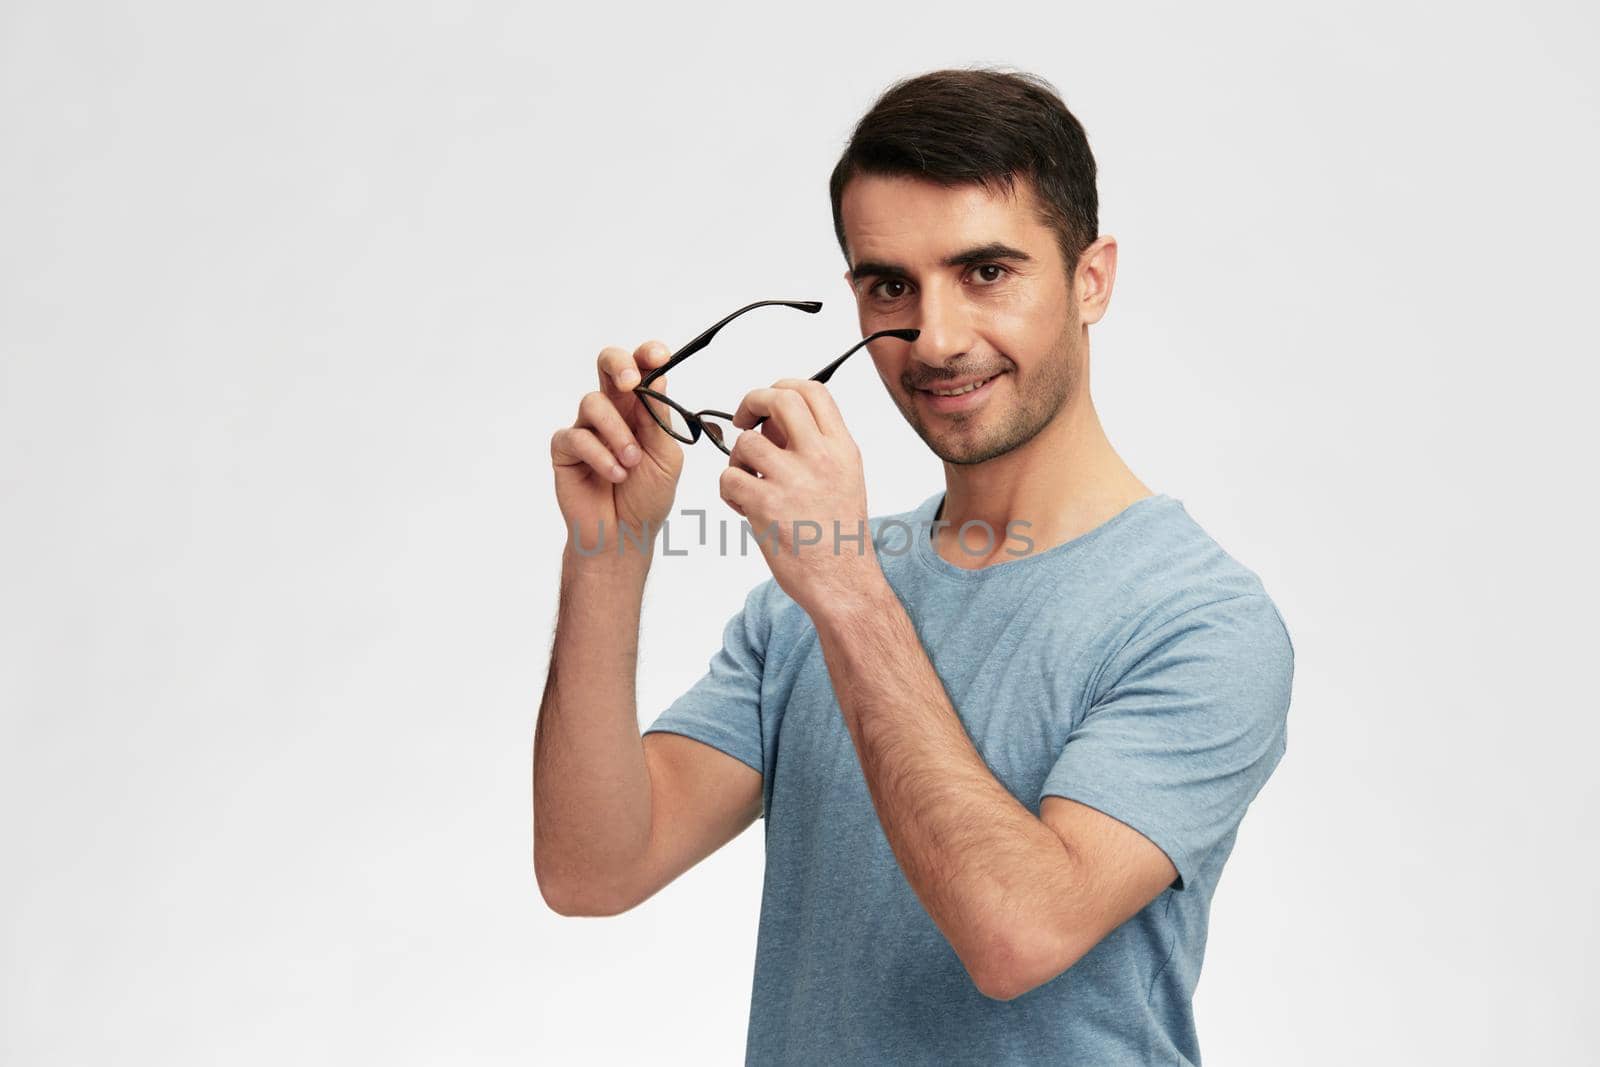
(650, 432)
(646, 413)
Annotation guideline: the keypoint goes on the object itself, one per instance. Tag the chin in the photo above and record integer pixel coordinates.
(962, 451)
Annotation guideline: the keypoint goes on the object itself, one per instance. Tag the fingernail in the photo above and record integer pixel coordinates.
(630, 455)
(617, 473)
(628, 378)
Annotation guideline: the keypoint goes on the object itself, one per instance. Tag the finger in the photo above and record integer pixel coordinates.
(598, 412)
(575, 446)
(614, 365)
(823, 409)
(787, 408)
(774, 433)
(621, 370)
(646, 358)
(740, 490)
(755, 452)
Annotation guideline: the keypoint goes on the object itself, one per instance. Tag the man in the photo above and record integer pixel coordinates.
(999, 785)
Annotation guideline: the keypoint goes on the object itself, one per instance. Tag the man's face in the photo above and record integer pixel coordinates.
(982, 278)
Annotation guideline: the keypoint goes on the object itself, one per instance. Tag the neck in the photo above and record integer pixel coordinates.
(1063, 483)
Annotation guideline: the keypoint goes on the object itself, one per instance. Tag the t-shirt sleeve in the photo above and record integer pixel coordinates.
(723, 708)
(1192, 723)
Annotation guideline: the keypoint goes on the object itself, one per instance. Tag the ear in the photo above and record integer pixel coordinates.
(1094, 278)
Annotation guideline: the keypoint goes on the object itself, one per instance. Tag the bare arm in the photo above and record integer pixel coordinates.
(1020, 898)
(591, 787)
(617, 816)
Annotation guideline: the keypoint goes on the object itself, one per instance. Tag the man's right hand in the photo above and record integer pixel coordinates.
(615, 464)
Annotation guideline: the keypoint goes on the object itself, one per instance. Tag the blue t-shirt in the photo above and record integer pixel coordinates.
(1138, 669)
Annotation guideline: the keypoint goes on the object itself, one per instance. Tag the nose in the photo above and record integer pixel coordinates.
(946, 331)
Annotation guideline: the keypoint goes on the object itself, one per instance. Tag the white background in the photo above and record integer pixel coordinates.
(292, 297)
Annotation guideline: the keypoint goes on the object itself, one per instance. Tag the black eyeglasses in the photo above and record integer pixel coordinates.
(686, 425)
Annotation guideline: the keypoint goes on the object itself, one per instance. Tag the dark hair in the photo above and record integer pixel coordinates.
(985, 127)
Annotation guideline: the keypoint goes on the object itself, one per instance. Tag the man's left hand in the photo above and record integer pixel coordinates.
(808, 507)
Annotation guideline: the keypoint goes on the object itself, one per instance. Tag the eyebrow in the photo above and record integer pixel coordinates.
(965, 258)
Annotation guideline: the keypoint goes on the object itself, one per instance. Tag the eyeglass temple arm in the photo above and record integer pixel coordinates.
(827, 372)
(810, 307)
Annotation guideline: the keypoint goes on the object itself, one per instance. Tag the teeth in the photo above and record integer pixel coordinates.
(965, 389)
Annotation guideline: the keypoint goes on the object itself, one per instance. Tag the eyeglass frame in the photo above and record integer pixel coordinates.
(692, 419)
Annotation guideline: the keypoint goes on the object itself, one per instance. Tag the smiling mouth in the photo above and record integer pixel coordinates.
(962, 390)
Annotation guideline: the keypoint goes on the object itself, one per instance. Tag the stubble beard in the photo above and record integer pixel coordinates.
(1035, 402)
